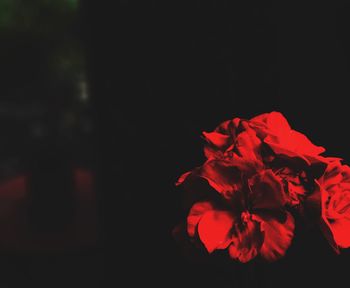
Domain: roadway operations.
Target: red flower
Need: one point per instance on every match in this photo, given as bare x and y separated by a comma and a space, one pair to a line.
333, 203
250, 222
252, 173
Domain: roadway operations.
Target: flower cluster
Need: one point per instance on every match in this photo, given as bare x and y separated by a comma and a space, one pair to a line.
256, 173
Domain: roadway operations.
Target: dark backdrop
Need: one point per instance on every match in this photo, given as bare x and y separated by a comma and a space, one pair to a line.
163, 72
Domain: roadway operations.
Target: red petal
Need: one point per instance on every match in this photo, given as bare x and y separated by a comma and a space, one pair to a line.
212, 153
266, 191
218, 140
222, 176
282, 139
339, 204
346, 173
315, 206
341, 232
262, 118
281, 149
196, 213
303, 145
214, 230
317, 159
243, 255
228, 127
277, 236
182, 178
246, 241
224, 127
337, 232
272, 124
278, 123
333, 175
248, 156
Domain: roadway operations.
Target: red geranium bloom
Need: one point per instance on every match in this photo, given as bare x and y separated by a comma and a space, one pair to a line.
252, 222
254, 170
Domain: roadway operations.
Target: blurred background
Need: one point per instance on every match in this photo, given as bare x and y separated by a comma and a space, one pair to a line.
102, 104
48, 211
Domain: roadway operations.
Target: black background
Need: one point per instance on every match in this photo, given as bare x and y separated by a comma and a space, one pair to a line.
162, 73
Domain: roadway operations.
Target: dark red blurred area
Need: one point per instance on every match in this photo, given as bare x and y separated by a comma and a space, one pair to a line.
43, 249
17, 233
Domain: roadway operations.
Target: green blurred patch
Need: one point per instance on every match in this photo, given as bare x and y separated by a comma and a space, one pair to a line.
30, 15
6, 12
73, 4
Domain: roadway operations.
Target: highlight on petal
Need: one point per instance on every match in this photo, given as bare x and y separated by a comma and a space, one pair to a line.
196, 213
214, 230
277, 235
